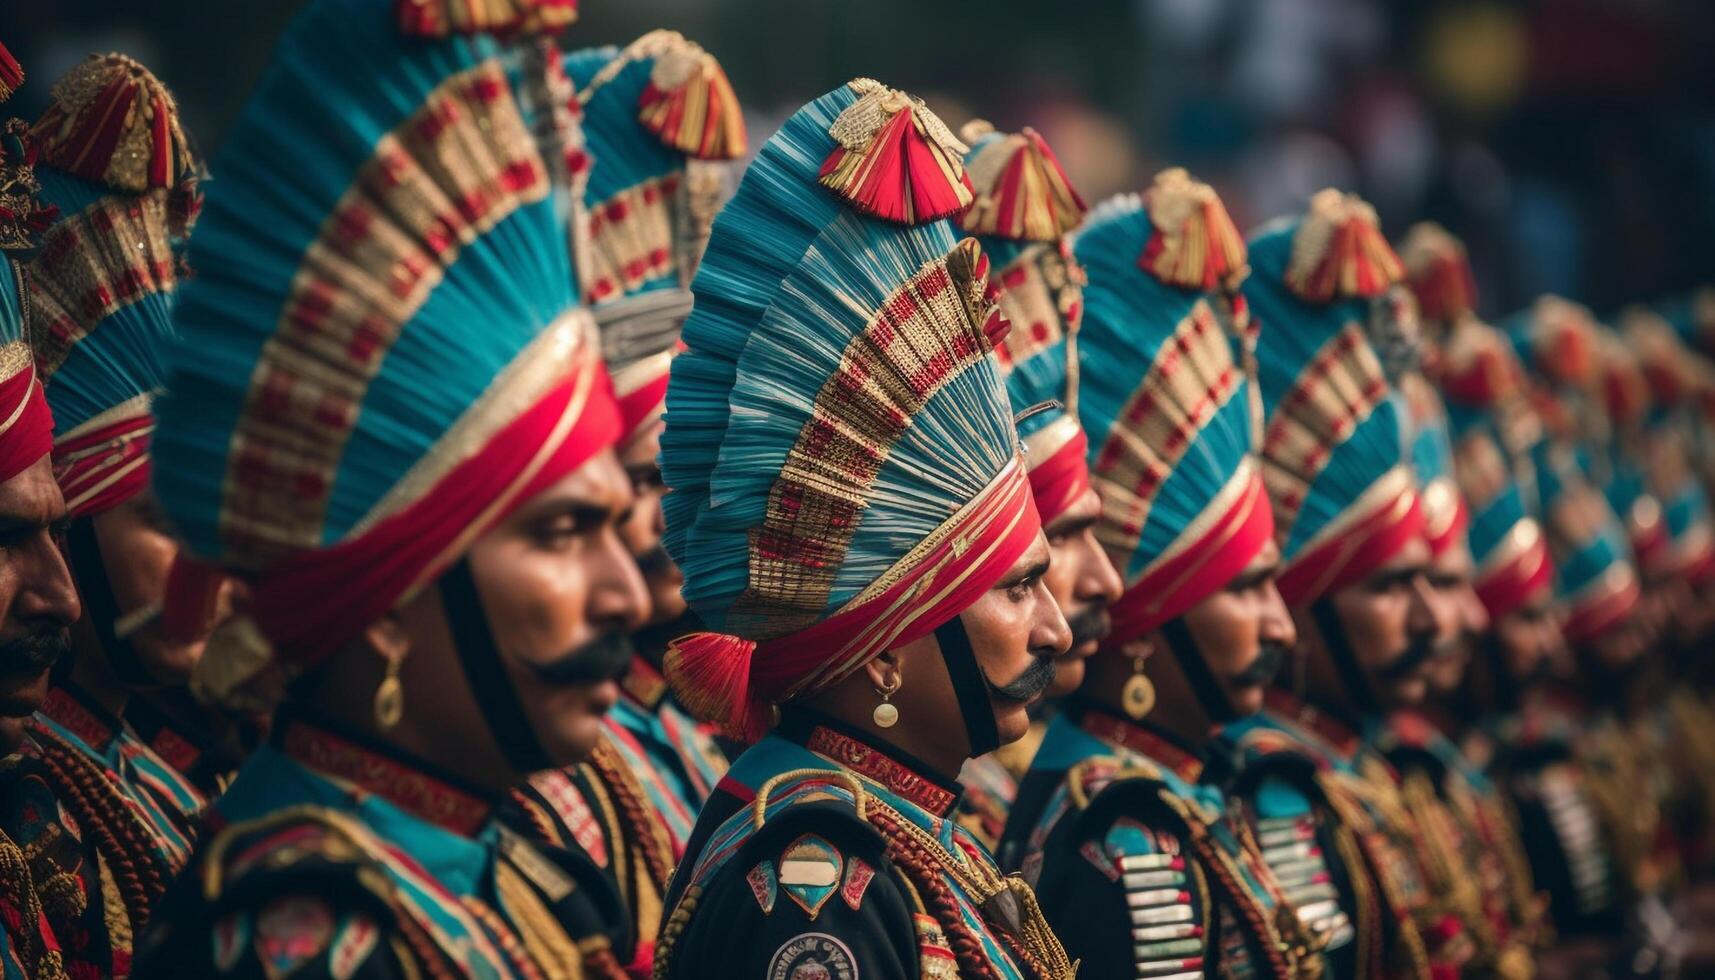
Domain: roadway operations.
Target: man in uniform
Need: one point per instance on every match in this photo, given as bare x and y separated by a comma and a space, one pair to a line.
389, 414
88, 799
1326, 807
1121, 822
659, 122
38, 602
851, 511
1023, 209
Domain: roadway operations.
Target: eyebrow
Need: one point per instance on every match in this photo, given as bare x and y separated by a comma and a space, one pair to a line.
1253, 578
1035, 571
1396, 575
1070, 526
649, 470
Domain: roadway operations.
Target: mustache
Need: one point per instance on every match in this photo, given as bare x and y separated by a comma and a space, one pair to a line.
603, 659
654, 560
1028, 686
1089, 623
32, 654
1265, 667
1419, 652
652, 640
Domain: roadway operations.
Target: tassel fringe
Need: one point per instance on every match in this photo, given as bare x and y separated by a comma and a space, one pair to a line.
1022, 192
113, 122
710, 675
11, 74
1440, 273
1339, 252
1195, 245
896, 160
23, 216
443, 18
1563, 340
689, 103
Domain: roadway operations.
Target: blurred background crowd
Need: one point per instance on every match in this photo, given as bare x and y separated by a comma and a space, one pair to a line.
1570, 143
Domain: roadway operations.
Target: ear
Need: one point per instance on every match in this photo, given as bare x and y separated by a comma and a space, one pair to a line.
387, 637
884, 670
1143, 646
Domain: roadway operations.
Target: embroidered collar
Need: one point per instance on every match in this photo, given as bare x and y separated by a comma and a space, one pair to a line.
436, 797
74, 710
1339, 736
878, 762
643, 684
1157, 744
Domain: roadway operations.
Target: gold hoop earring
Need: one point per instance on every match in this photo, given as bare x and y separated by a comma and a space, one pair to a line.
1138, 695
389, 697
886, 715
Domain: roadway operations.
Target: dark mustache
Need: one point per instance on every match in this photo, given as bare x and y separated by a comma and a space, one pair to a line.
654, 560
1089, 623
1267, 664
603, 659
1028, 686
1416, 654
32, 654
652, 640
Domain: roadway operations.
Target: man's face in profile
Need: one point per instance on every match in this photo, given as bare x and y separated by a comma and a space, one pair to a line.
38, 602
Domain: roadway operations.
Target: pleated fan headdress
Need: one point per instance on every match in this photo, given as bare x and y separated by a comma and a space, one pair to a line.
660, 121
1023, 209
383, 353
844, 469
1166, 400
26, 425
1324, 291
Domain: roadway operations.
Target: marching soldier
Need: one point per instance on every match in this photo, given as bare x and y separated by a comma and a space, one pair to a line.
102, 814
1122, 823
38, 601
1326, 807
659, 122
1023, 210
389, 414
851, 511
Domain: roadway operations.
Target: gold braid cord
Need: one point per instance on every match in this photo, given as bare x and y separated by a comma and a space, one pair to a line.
17, 890
1373, 879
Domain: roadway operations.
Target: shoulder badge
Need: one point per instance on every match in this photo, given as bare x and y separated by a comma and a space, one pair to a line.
858, 876
813, 956
810, 872
290, 931
763, 885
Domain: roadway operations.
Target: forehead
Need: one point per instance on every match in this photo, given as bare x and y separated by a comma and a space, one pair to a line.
1087, 507
1413, 554
32, 496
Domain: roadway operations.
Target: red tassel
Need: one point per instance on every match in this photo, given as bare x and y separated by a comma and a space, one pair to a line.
11, 74
1195, 244
444, 18
113, 122
1339, 252
1440, 273
1563, 341
896, 160
710, 675
192, 600
689, 103
1022, 192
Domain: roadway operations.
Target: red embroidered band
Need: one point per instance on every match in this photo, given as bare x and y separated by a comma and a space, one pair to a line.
26, 425
1445, 522
311, 604
371, 772
734, 682
1353, 551
1062, 477
1522, 573
101, 469
1242, 522
1601, 606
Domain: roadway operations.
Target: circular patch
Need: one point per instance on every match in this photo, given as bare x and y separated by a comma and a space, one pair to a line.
813, 956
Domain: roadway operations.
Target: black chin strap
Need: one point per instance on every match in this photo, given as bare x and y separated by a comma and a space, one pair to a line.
1345, 658
970, 685
486, 674
1196, 670
100, 606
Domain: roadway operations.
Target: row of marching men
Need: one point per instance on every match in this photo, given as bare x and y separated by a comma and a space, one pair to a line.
350, 631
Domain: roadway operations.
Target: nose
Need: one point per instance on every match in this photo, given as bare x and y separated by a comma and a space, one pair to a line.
47, 597
1050, 636
1275, 624
1476, 614
618, 597
1421, 616
1098, 581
